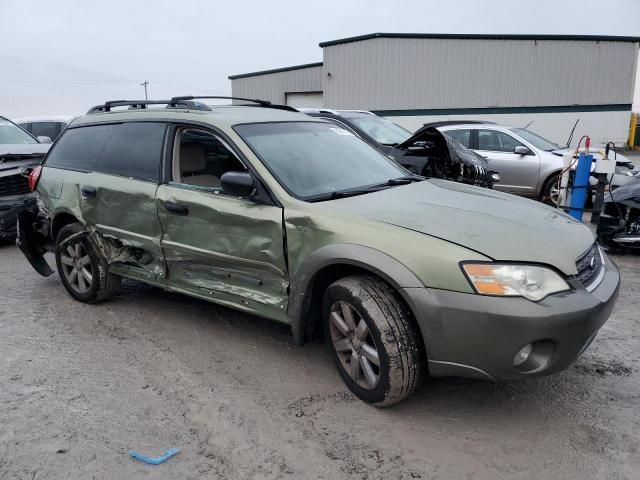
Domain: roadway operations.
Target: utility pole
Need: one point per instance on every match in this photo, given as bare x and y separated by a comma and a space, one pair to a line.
144, 84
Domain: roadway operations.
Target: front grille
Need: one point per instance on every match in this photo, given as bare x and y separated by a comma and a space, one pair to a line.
589, 265
13, 185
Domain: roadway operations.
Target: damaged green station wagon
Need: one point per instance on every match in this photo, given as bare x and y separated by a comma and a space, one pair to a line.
295, 219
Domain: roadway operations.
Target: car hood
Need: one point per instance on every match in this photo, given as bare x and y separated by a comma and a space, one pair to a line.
498, 225
627, 194
28, 149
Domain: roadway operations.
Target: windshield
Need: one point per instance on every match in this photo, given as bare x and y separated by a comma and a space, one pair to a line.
380, 129
11, 134
314, 159
536, 140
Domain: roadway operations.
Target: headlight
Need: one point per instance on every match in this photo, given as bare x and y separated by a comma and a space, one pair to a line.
529, 281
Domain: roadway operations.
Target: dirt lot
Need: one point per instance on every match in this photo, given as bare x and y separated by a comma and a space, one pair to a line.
81, 385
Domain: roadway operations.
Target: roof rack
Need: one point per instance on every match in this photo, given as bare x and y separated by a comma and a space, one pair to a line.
182, 102
142, 105
257, 101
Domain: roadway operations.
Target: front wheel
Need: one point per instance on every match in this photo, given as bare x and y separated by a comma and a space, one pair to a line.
373, 339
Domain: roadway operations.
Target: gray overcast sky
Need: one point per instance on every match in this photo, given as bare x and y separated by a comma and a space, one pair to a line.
60, 57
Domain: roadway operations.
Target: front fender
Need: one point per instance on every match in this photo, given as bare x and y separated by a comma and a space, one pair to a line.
366, 258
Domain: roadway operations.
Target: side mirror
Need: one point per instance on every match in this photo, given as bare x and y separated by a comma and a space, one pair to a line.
521, 150
43, 139
238, 184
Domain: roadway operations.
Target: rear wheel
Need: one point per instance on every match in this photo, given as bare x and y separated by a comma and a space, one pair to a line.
82, 271
373, 340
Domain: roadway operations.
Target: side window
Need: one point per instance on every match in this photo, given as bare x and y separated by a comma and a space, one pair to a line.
495, 141
462, 135
80, 148
45, 129
134, 150
201, 158
26, 126
126, 149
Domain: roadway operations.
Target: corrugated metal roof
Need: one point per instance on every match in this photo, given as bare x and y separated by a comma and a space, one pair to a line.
481, 36
275, 70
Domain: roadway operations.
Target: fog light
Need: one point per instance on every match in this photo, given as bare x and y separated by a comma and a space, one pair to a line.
522, 355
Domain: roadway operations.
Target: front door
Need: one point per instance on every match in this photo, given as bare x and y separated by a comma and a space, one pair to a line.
518, 173
226, 248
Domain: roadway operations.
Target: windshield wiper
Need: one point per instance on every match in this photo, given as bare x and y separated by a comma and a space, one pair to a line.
371, 188
404, 180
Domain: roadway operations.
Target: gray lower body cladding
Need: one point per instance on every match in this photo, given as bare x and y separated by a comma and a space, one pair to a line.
476, 336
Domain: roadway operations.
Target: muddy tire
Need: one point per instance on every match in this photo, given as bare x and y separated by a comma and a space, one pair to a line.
81, 268
373, 340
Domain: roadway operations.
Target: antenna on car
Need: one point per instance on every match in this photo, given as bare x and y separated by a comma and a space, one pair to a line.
571, 134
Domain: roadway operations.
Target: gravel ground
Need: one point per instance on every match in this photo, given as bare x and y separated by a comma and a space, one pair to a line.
148, 370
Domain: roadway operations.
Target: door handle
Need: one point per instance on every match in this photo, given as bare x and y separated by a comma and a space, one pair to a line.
176, 208
88, 191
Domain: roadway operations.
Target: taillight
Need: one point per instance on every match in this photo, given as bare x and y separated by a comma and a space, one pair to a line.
34, 176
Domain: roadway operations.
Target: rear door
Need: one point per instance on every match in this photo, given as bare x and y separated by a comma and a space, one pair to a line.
115, 171
518, 173
226, 248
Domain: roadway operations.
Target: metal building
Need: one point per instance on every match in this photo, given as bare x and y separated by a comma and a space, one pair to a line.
550, 80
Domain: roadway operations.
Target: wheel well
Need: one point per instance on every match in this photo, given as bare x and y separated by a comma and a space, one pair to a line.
325, 277
61, 220
546, 182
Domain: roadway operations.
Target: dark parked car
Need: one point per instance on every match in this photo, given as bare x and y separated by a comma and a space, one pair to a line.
19, 151
427, 152
50, 127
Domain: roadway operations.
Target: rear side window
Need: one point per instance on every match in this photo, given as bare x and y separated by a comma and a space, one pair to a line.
126, 149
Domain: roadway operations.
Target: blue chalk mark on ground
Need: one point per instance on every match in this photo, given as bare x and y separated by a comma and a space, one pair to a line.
154, 460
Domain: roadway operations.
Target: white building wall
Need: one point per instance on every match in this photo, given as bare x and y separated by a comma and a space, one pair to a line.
275, 86
414, 73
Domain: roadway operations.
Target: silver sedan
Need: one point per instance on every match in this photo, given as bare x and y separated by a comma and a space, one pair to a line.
528, 164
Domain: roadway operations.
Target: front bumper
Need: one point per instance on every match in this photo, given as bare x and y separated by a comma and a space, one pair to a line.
477, 336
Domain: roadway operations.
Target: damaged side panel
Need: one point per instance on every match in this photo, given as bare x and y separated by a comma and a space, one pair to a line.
119, 217
226, 248
120, 213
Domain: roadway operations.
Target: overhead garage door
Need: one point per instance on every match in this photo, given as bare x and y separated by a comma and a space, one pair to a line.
305, 99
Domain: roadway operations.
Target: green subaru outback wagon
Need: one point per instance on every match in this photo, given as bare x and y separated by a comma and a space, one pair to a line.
296, 220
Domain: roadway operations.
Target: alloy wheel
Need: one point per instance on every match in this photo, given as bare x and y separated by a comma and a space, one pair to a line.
354, 345
554, 194
76, 267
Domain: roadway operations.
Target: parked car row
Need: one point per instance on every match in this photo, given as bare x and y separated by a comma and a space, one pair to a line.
19, 150
427, 152
299, 220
